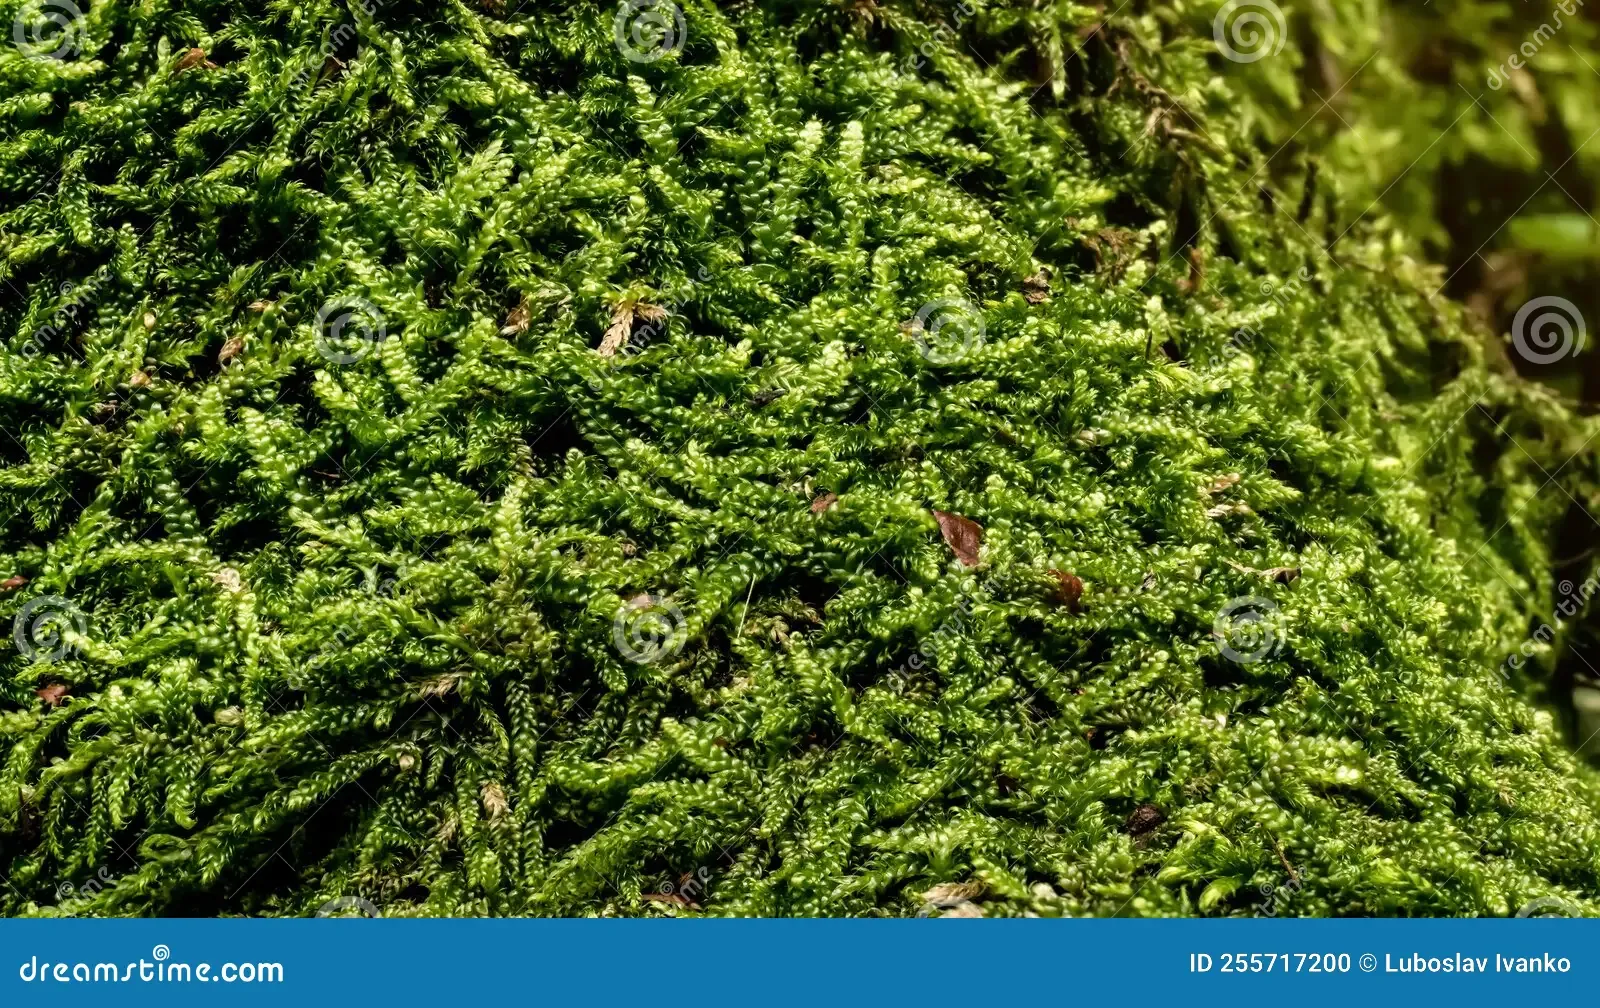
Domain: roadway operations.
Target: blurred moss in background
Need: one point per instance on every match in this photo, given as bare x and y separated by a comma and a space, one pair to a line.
1474, 128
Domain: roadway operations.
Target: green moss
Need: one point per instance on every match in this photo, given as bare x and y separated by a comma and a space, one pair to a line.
451, 611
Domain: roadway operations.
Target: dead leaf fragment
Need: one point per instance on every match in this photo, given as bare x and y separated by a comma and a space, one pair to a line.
138, 379
494, 800
447, 829
1144, 819
438, 686
963, 911
1114, 248
230, 349
1222, 510
1197, 271
949, 894
1036, 289
228, 578
866, 11
53, 694
824, 502
963, 535
149, 320
518, 321
13, 582
615, 338
1222, 483
1282, 575
259, 306
192, 59
1069, 590
624, 316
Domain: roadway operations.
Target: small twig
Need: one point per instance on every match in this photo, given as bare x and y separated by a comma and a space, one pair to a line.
1283, 860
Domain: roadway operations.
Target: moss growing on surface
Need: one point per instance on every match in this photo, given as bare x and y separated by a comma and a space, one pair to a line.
483, 460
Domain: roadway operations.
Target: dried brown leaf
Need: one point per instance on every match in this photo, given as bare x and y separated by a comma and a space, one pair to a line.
439, 686
191, 59
1197, 271
949, 894
494, 800
53, 694
520, 318
1144, 819
1222, 483
866, 10
447, 828
230, 349
627, 312
1036, 289
1222, 510
1069, 589
967, 911
616, 337
824, 502
13, 582
963, 535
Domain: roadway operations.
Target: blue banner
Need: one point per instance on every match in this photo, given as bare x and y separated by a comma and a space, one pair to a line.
810, 963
